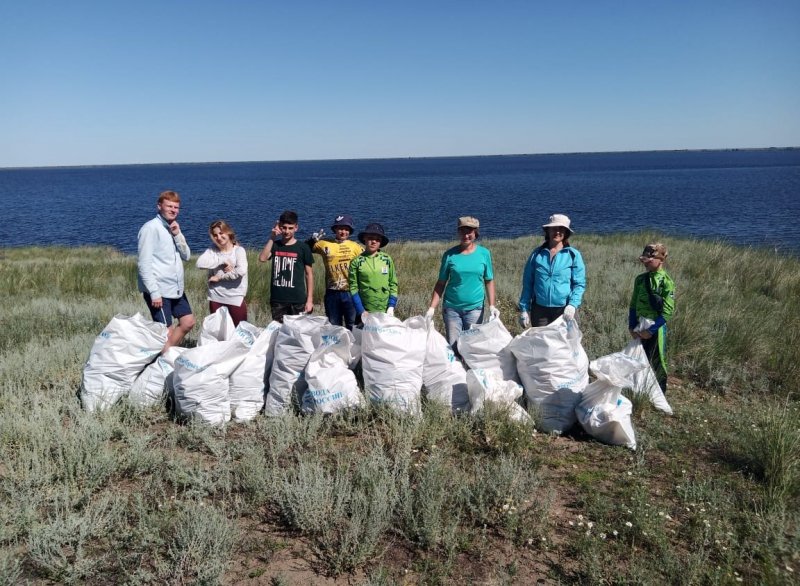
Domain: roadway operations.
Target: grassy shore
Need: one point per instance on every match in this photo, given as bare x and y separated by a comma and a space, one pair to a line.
128, 496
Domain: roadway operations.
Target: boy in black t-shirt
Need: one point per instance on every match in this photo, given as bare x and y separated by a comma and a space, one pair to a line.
292, 283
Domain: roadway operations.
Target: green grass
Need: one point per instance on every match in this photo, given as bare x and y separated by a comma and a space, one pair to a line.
710, 496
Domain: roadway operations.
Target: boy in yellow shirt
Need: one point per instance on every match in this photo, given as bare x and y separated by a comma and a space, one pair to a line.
336, 253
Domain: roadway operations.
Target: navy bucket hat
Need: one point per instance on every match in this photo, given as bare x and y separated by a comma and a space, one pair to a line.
344, 221
375, 229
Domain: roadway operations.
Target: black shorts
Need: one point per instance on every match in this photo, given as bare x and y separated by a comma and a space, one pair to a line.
170, 308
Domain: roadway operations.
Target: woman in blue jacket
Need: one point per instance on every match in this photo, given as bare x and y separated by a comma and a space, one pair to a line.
554, 277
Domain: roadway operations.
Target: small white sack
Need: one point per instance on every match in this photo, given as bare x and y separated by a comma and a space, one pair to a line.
603, 411
443, 375
201, 380
554, 369
645, 380
148, 388
217, 327
332, 386
488, 385
486, 346
294, 343
393, 353
247, 381
121, 351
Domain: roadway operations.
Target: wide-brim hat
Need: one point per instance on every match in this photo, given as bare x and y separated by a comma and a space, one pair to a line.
344, 221
376, 230
558, 220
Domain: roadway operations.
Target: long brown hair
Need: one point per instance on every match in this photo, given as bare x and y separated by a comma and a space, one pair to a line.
224, 228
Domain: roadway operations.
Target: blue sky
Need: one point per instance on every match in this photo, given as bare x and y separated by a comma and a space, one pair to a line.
143, 82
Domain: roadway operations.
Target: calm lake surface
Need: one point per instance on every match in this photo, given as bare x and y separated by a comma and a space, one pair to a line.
747, 197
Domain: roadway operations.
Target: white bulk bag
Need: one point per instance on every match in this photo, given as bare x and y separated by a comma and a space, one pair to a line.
332, 386
645, 380
272, 333
217, 327
247, 381
392, 354
443, 375
486, 346
603, 411
148, 388
201, 382
121, 351
294, 343
488, 386
553, 368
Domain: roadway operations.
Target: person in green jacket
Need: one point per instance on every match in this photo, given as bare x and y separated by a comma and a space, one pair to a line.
654, 299
373, 280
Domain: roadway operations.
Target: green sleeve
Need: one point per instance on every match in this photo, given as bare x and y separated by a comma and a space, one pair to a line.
353, 276
392, 279
667, 292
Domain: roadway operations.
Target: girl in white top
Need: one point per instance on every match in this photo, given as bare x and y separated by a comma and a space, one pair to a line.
226, 263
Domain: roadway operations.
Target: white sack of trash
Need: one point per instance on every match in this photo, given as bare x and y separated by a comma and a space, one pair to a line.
148, 388
488, 386
393, 353
645, 380
604, 412
486, 346
332, 386
553, 368
247, 382
119, 353
443, 375
216, 327
295, 342
201, 380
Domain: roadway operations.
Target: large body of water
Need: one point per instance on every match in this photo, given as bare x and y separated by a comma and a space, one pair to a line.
748, 197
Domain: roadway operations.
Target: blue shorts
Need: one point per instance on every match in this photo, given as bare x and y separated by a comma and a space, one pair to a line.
170, 308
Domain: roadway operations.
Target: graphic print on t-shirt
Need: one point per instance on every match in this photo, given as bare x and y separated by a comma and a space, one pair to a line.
283, 269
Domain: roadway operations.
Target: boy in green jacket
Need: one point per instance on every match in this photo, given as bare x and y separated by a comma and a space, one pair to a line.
373, 281
653, 298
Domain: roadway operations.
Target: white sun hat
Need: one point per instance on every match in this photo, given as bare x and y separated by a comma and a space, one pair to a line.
558, 220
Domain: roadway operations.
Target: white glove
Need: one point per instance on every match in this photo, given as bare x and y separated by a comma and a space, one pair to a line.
569, 312
494, 313
317, 235
524, 319
390, 312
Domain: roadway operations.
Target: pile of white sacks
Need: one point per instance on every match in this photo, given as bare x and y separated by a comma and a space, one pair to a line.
307, 364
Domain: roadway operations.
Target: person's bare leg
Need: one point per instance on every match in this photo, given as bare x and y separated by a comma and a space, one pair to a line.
179, 330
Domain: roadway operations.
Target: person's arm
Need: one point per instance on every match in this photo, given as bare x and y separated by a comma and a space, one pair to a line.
240, 268
266, 252
209, 260
441, 283
438, 291
392, 284
181, 244
490, 293
528, 275
578, 281
633, 319
666, 291
353, 282
146, 252
309, 289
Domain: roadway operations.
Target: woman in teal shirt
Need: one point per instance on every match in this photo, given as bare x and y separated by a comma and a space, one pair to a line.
466, 279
